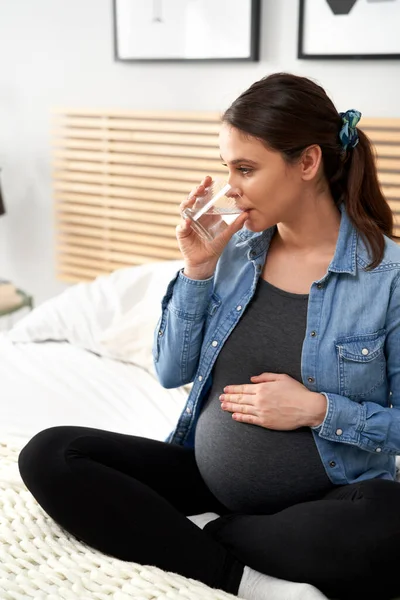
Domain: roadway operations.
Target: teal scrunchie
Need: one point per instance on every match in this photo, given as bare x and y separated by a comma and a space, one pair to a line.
348, 134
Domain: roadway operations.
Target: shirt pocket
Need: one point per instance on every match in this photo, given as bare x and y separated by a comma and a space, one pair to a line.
362, 364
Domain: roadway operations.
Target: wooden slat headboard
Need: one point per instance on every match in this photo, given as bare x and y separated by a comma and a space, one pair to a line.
119, 177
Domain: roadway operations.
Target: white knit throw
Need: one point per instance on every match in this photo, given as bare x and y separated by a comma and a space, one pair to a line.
40, 560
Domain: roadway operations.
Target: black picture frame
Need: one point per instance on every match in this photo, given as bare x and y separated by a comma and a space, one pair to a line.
356, 56
254, 46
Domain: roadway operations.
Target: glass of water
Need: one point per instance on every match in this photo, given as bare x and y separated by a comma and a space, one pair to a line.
212, 212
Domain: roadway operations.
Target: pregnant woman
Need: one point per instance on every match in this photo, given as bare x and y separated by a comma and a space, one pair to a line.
288, 324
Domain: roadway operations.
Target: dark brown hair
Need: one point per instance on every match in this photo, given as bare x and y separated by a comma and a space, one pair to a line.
289, 113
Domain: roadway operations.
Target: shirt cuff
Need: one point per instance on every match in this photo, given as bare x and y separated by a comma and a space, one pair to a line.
343, 421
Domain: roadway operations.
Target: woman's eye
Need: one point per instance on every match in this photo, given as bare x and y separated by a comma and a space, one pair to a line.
242, 170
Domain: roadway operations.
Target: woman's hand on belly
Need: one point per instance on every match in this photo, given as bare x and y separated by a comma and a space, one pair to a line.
274, 401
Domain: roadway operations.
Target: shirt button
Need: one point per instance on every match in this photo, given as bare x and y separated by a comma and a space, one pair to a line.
160, 332
259, 267
310, 379
339, 431
332, 463
200, 378
313, 333
365, 351
252, 254
319, 285
239, 307
189, 412
378, 449
214, 343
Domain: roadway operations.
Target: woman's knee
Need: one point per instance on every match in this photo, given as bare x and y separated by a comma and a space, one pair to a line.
43, 453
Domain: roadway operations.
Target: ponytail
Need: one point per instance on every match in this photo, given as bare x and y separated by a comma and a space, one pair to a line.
365, 203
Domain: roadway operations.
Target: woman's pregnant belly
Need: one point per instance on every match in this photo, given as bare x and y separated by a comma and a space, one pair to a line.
254, 470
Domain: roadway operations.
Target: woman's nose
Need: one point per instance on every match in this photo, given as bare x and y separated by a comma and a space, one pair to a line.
235, 189
234, 192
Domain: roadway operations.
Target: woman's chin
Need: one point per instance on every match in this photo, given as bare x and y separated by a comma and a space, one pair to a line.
248, 224
252, 225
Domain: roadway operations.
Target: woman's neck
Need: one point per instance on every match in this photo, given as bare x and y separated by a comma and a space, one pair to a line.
315, 227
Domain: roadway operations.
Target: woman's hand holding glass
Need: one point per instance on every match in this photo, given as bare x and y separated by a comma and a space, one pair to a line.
201, 256
274, 401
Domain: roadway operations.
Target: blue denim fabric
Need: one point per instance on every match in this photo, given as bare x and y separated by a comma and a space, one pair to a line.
351, 350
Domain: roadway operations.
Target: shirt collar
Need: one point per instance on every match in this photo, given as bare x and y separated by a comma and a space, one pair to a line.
344, 259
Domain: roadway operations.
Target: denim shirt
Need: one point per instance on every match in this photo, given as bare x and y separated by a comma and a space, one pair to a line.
351, 349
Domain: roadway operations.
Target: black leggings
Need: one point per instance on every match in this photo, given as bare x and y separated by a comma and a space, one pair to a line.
128, 496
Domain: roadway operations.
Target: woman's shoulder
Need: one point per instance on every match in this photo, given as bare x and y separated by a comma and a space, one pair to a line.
392, 249
390, 260
391, 255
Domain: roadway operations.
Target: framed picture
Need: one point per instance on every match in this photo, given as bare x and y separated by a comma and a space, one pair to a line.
351, 29
181, 30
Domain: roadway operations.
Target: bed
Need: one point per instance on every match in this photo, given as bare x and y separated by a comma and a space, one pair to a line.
84, 358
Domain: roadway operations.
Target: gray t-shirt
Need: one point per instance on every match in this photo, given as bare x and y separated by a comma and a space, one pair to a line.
249, 468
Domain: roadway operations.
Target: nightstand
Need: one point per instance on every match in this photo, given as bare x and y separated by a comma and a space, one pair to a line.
26, 302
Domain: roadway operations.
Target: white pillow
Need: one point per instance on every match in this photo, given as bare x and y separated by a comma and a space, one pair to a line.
114, 316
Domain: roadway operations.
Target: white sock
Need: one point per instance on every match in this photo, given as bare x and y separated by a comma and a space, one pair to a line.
202, 520
256, 586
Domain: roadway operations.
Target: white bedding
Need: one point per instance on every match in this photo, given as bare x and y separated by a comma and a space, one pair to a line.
84, 358
55, 383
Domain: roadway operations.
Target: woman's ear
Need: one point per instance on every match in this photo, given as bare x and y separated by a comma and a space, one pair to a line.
310, 162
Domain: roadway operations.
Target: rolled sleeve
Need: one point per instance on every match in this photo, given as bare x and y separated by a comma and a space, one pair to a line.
179, 333
191, 296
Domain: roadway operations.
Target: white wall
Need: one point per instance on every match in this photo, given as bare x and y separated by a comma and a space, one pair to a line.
60, 53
